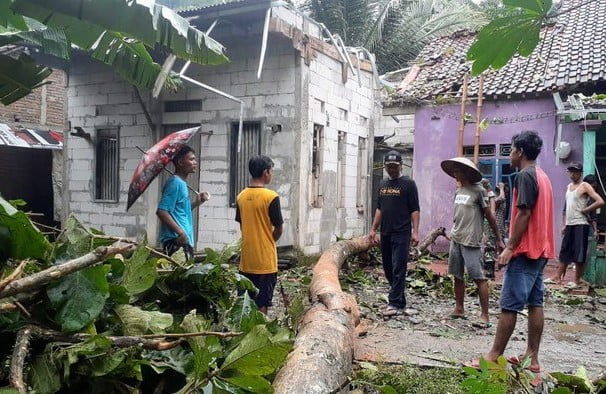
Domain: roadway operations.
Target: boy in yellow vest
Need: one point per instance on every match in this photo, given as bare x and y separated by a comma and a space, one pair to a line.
260, 218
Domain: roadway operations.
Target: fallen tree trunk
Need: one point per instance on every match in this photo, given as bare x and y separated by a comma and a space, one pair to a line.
322, 357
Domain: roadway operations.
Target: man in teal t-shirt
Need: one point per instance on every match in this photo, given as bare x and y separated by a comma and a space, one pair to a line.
175, 208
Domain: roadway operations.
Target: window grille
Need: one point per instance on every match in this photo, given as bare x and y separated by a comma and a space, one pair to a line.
182, 105
317, 158
249, 147
107, 185
485, 150
505, 149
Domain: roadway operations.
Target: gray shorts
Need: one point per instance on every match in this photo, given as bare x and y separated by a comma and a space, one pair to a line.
460, 257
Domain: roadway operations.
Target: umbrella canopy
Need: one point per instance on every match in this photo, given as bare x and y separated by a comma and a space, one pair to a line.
154, 161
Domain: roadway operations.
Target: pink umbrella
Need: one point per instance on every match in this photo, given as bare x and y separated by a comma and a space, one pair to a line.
155, 160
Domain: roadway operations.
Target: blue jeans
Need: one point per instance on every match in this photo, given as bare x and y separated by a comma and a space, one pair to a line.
394, 248
523, 283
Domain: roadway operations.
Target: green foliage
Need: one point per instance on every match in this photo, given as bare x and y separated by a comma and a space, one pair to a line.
129, 296
407, 379
490, 378
577, 383
243, 315
79, 298
395, 31
515, 32
105, 31
136, 321
139, 271
19, 238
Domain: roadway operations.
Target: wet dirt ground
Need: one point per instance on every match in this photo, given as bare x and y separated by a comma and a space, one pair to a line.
574, 334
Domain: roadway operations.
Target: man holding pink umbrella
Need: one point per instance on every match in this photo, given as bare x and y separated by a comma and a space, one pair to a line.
175, 208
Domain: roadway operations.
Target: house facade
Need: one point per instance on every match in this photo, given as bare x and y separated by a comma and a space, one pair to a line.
310, 111
518, 97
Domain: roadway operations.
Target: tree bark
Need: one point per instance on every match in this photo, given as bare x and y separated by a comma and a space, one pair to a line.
431, 239
41, 278
20, 352
321, 359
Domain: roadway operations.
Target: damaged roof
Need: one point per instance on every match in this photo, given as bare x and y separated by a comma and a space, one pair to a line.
29, 138
572, 52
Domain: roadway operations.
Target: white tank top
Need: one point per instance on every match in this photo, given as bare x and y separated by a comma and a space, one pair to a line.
574, 205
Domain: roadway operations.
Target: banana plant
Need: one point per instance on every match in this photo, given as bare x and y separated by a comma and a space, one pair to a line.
119, 33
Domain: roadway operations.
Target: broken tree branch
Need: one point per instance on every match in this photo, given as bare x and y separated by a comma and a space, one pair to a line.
18, 360
58, 271
16, 274
194, 334
133, 242
31, 332
322, 356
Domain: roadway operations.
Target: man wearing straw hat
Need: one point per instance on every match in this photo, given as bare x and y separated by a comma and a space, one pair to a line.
471, 207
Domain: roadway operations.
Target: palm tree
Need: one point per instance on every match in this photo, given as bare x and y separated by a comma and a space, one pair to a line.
395, 30
102, 29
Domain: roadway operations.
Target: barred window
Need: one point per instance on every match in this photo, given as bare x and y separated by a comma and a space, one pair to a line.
250, 146
107, 183
485, 150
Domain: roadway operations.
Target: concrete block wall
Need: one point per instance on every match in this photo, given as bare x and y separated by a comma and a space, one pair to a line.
270, 100
347, 107
404, 129
99, 98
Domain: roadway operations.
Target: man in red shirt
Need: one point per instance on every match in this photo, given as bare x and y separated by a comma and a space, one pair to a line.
531, 244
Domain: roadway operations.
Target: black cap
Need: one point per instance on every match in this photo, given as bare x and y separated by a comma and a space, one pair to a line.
393, 157
575, 166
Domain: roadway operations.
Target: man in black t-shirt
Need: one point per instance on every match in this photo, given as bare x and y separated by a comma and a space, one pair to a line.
397, 210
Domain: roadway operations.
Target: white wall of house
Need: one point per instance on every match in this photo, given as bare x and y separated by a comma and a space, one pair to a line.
98, 98
402, 129
342, 194
289, 93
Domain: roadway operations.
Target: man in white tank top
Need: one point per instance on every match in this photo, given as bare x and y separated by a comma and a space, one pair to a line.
575, 225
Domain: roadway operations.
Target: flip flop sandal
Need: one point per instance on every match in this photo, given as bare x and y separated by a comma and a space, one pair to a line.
572, 286
517, 361
482, 324
550, 281
392, 311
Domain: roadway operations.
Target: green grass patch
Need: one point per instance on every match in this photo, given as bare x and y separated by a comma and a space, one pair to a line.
407, 379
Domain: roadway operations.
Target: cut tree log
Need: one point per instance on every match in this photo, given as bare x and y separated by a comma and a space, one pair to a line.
322, 357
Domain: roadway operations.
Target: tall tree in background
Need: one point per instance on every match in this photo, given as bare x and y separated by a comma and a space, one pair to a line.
395, 30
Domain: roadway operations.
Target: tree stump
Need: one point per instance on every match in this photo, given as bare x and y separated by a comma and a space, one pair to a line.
321, 360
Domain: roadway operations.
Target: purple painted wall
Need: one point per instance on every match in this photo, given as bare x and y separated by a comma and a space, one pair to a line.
436, 137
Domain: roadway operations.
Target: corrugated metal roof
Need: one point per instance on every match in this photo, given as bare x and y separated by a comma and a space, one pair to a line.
573, 52
216, 4
30, 138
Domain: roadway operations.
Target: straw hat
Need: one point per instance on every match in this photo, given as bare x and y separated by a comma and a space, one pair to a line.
465, 165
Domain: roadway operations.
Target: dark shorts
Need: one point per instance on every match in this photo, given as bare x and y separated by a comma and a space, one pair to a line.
170, 247
265, 283
523, 284
574, 244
